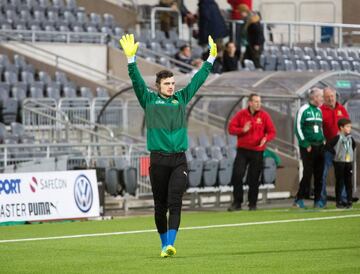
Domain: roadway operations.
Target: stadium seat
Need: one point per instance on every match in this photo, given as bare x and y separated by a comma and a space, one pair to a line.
18, 132
312, 65
289, 65
309, 52
210, 166
27, 77
225, 166
4, 91
53, 91
195, 168
102, 92
112, 182
108, 20
346, 65
269, 171
335, 66
300, 65
270, 62
4, 134
9, 111
324, 65
86, 92
19, 93
36, 92
69, 92
249, 65
356, 66
10, 77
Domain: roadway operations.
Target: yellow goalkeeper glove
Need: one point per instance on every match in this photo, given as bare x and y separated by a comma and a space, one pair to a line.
212, 46
128, 44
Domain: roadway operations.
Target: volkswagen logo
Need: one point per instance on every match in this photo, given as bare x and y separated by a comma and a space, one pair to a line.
83, 193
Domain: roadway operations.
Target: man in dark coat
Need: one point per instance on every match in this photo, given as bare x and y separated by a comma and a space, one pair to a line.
211, 22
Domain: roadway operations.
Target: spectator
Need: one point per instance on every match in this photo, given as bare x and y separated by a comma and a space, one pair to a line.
218, 63
187, 17
211, 22
253, 128
332, 111
236, 15
167, 19
309, 132
166, 138
342, 147
184, 55
230, 57
252, 36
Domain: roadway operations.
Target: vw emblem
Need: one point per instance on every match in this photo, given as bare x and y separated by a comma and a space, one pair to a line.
83, 193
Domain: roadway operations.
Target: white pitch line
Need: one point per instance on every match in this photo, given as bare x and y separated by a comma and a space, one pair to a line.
183, 228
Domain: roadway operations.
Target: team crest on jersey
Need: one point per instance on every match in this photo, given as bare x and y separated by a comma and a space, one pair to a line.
339, 113
175, 102
258, 120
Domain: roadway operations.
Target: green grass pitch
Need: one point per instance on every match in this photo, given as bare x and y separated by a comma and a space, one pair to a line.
314, 246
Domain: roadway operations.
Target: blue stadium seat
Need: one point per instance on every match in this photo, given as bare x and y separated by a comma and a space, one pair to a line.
195, 168
249, 65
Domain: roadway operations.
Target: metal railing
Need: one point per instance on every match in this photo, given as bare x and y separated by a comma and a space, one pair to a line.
162, 9
292, 31
12, 154
52, 124
57, 36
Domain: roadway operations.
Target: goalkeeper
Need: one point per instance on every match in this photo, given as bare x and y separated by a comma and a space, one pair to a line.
166, 138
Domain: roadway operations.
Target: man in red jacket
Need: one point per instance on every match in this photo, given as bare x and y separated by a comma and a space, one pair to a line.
332, 111
253, 128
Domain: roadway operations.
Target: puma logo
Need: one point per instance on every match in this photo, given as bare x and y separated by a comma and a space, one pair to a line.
185, 173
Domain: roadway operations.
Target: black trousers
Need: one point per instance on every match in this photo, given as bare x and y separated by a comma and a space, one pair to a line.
254, 55
343, 175
253, 161
168, 176
313, 163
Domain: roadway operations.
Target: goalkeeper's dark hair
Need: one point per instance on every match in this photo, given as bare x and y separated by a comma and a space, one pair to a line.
163, 75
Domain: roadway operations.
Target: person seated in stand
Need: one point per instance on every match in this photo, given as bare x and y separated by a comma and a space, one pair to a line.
230, 57
184, 55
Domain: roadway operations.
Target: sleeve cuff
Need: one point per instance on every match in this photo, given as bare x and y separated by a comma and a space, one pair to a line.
131, 59
211, 59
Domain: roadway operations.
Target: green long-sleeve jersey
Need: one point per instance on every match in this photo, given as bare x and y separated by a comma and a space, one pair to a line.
308, 126
166, 117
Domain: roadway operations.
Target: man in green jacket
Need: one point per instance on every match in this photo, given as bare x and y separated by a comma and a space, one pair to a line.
309, 132
165, 115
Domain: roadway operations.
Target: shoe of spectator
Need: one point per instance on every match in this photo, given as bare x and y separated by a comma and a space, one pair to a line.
170, 250
340, 205
252, 207
234, 207
319, 204
355, 199
299, 203
349, 205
